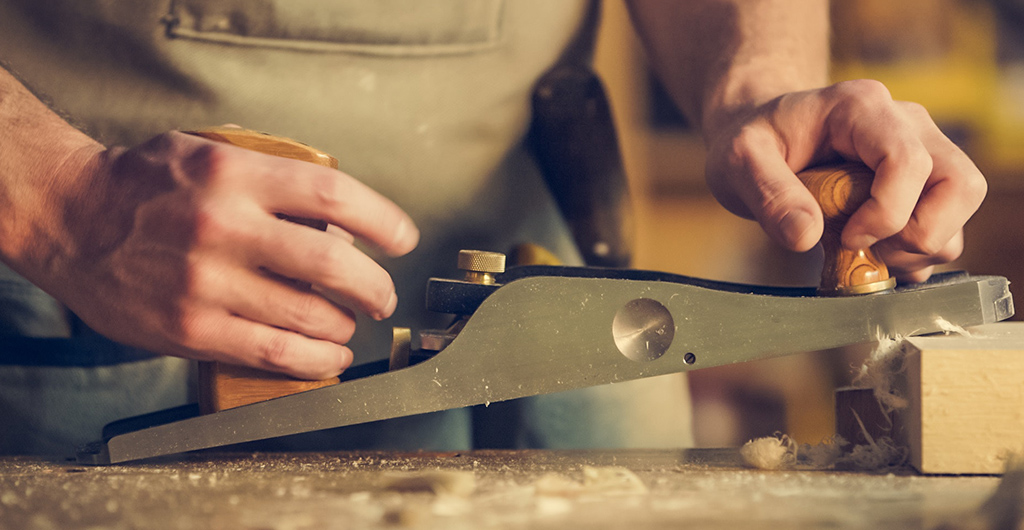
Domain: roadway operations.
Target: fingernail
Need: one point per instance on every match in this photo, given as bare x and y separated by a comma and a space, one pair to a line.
407, 236
346, 359
389, 308
794, 225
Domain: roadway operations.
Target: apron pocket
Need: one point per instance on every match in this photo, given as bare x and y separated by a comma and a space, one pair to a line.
380, 27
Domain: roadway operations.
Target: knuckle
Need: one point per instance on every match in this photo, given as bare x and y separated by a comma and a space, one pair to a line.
328, 190
869, 90
889, 221
776, 205
202, 278
190, 328
910, 153
208, 163
930, 249
975, 188
951, 251
213, 227
330, 262
771, 204
928, 244
916, 110
278, 351
304, 314
744, 147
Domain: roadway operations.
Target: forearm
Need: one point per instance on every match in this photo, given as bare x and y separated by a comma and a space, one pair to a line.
718, 58
40, 154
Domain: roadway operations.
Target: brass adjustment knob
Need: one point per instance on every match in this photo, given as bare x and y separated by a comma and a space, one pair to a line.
481, 266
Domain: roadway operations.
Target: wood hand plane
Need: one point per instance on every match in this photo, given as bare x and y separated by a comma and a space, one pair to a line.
537, 329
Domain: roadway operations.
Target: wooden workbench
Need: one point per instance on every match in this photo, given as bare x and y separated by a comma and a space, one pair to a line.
493, 489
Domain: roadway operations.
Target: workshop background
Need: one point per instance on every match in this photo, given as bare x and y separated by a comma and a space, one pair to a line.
962, 59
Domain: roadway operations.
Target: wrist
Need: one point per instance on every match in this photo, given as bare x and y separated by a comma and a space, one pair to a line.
40, 188
744, 90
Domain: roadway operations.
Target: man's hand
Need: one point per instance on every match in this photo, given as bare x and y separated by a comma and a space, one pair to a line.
750, 72
168, 245
925, 188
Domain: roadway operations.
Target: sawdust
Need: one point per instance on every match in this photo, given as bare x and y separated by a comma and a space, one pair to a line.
770, 452
876, 454
693, 488
824, 454
782, 452
440, 482
612, 480
880, 372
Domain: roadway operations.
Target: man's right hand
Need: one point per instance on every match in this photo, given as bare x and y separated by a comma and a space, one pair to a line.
167, 245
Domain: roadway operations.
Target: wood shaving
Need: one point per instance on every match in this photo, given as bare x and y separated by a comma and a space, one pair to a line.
824, 454
770, 452
885, 363
782, 452
879, 372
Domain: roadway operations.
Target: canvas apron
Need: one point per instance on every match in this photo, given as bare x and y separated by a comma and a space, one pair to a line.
426, 102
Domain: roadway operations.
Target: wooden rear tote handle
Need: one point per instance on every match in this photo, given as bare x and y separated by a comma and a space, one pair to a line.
840, 190
225, 386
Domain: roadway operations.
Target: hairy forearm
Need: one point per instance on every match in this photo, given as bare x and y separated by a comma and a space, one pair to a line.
39, 156
718, 58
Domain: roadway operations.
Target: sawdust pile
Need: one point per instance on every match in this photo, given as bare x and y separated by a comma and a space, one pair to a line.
782, 452
770, 452
880, 372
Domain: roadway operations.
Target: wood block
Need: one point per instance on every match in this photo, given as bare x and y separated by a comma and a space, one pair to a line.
966, 395
966, 402
226, 386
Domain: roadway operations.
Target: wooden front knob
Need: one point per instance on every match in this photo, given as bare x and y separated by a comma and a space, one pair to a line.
225, 386
840, 190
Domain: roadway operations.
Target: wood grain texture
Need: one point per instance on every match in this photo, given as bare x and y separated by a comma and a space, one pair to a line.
686, 488
226, 386
840, 190
965, 412
223, 386
966, 394
267, 143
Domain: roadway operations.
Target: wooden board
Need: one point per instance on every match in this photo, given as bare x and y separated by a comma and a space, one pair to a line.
387, 490
966, 394
966, 402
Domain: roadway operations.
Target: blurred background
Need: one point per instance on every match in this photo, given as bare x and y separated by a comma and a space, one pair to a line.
962, 59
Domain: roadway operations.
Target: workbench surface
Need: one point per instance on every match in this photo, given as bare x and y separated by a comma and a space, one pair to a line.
480, 489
